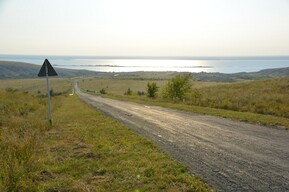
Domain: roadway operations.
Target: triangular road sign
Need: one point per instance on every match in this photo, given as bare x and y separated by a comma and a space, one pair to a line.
50, 70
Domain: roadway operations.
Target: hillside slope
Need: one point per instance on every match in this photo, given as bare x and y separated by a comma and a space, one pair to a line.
280, 72
224, 77
12, 70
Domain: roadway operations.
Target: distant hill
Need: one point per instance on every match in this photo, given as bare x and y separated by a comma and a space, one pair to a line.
279, 72
12, 70
202, 76
224, 77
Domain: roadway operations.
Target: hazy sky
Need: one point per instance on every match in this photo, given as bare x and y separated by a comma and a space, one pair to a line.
145, 27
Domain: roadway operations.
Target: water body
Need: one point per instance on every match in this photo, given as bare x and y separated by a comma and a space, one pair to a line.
180, 64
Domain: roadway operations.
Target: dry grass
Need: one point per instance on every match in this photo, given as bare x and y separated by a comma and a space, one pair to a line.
119, 86
22, 122
36, 86
269, 97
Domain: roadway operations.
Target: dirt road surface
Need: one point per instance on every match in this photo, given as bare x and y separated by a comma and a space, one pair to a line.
229, 155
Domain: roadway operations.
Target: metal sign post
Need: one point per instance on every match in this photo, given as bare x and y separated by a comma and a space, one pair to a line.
48, 96
45, 71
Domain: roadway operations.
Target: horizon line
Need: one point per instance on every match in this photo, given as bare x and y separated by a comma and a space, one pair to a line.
156, 57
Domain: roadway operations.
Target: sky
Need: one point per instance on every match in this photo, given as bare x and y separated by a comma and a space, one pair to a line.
145, 27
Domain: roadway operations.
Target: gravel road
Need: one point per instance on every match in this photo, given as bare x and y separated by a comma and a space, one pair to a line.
229, 155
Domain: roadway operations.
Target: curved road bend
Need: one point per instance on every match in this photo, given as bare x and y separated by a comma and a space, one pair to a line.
229, 155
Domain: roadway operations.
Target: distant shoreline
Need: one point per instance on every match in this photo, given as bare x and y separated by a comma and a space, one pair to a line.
17, 70
179, 64
269, 57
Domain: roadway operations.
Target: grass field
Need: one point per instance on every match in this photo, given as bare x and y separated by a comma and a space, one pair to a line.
263, 102
37, 86
117, 87
270, 97
83, 151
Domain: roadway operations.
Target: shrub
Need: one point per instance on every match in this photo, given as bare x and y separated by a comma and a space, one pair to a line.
128, 92
102, 91
140, 93
51, 92
177, 87
152, 90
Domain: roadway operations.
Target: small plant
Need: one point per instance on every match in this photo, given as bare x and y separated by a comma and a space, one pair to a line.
102, 91
140, 93
10, 90
90, 91
51, 92
152, 90
128, 92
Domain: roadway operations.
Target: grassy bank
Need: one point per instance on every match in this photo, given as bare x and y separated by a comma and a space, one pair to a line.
84, 151
262, 102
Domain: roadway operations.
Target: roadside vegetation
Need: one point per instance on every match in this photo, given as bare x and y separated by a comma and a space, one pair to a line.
117, 87
22, 124
177, 88
37, 86
269, 97
263, 102
84, 150
152, 89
